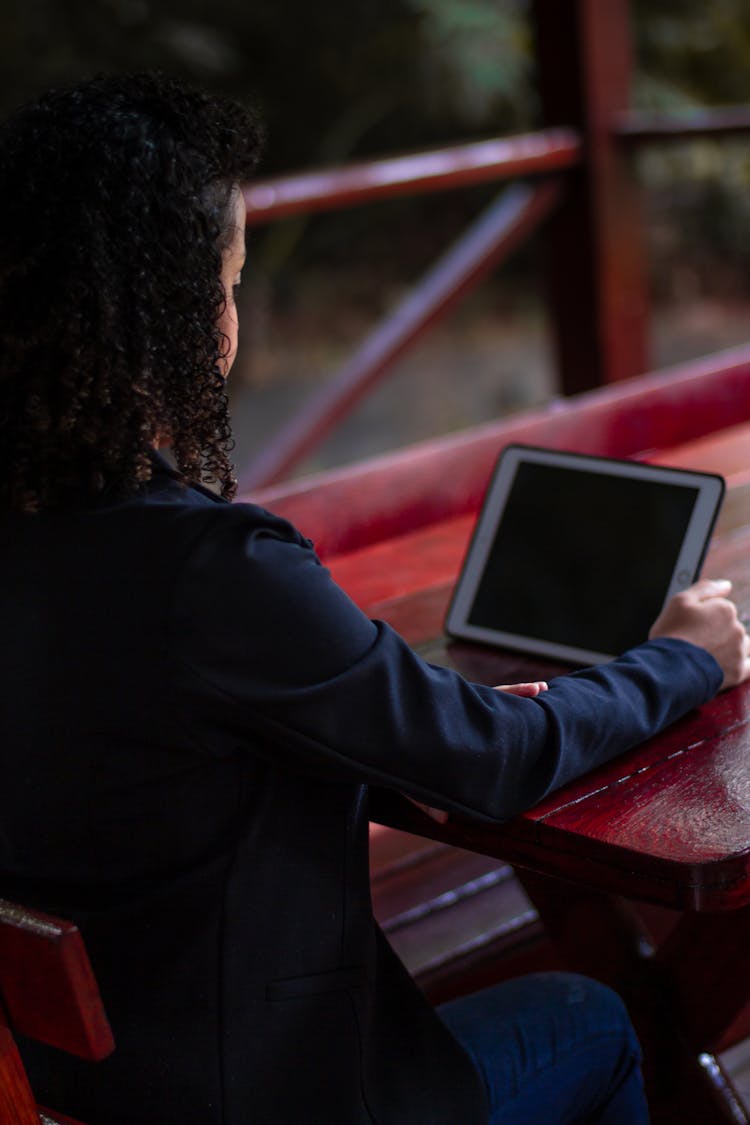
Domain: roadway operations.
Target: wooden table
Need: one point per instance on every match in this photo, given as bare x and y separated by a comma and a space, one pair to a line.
641, 869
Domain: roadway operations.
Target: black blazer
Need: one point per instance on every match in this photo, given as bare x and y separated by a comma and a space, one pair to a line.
191, 714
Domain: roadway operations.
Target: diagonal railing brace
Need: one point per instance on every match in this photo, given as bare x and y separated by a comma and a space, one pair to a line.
491, 238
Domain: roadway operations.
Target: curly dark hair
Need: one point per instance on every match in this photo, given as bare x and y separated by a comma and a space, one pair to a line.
115, 202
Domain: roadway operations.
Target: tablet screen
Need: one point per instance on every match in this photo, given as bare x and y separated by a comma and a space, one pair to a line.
579, 554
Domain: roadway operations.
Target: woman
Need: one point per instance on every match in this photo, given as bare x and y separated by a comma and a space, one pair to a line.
192, 711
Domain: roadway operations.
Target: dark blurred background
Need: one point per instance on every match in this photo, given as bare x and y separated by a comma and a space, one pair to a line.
345, 79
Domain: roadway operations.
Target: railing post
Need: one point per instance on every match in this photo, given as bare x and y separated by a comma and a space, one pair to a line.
596, 268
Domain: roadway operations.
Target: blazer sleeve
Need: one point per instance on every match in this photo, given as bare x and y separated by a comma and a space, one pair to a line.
275, 658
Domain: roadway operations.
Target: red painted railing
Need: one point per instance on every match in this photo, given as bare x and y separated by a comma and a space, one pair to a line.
597, 279
726, 121
460, 166
488, 241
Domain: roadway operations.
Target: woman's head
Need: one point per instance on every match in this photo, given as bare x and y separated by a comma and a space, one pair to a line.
118, 234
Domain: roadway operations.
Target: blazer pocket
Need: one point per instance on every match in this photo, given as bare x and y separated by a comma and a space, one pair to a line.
337, 980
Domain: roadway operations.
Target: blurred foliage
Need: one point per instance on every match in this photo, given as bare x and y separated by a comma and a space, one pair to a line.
329, 79
347, 78
320, 74
478, 55
693, 54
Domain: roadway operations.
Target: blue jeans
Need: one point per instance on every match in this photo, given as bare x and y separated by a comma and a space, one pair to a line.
553, 1049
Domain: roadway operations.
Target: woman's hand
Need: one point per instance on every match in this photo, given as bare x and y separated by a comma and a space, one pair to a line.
528, 691
703, 615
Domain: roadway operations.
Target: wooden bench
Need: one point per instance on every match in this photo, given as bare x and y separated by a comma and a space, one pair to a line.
47, 992
393, 532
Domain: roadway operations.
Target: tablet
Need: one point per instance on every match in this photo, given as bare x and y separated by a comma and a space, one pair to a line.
573, 556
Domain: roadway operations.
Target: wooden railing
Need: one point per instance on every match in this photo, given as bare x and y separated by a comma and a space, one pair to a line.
584, 190
371, 180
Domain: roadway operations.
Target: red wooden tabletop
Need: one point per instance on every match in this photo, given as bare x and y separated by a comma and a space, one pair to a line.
668, 822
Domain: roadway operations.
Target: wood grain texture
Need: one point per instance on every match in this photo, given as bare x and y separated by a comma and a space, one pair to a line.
47, 985
666, 824
670, 821
397, 568
17, 1106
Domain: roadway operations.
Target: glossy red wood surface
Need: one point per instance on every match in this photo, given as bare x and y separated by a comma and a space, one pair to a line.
670, 821
47, 985
407, 580
667, 823
17, 1106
